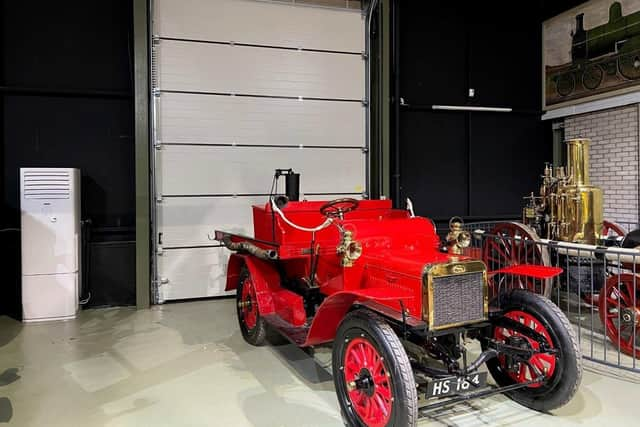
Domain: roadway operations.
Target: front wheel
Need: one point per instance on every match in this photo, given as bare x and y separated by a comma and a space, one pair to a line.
562, 371
372, 374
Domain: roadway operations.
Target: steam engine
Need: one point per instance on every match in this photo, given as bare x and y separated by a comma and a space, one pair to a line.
568, 207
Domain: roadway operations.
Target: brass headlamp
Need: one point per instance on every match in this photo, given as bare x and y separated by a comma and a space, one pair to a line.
457, 238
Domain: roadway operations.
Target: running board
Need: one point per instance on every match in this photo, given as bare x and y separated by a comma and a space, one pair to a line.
296, 334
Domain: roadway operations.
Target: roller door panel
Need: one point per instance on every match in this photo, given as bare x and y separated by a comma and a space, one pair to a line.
212, 119
187, 221
244, 87
248, 170
252, 22
215, 68
192, 273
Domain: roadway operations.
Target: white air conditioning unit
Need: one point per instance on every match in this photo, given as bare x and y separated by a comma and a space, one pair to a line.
50, 217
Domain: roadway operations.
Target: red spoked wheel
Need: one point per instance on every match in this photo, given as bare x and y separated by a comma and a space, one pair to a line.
557, 367
620, 312
513, 243
252, 325
612, 229
520, 372
372, 374
249, 304
368, 383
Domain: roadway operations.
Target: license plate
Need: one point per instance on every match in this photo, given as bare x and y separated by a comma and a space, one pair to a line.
456, 385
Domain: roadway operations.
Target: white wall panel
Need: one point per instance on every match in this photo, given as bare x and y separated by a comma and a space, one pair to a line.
189, 170
213, 119
193, 273
204, 137
262, 23
206, 67
187, 221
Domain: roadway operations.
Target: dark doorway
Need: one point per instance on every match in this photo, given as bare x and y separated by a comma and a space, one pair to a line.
66, 82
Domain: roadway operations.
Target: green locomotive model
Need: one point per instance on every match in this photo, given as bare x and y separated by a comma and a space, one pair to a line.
605, 56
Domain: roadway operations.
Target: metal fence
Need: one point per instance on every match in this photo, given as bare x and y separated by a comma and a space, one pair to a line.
598, 289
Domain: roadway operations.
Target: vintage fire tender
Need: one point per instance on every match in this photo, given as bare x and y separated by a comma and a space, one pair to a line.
569, 209
398, 309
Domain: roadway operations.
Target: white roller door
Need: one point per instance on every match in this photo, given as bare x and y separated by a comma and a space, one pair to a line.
243, 87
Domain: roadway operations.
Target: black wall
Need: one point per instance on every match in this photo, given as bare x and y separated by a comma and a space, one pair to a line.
473, 164
66, 101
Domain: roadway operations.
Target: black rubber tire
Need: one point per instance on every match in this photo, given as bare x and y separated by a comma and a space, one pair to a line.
258, 334
368, 325
558, 390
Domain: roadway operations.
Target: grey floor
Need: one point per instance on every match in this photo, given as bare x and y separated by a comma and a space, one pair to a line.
187, 365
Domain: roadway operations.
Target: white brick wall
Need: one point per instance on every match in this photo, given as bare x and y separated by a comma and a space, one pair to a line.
614, 157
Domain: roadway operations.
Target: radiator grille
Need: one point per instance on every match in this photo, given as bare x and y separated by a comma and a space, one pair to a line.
46, 185
458, 299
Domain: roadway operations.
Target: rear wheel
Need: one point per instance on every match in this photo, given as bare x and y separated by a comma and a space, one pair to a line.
252, 325
562, 371
372, 374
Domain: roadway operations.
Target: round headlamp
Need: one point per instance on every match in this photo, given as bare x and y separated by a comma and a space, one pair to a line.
464, 239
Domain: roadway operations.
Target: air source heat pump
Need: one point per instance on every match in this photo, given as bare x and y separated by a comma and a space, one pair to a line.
50, 217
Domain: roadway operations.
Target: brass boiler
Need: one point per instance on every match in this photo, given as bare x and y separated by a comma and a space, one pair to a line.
578, 206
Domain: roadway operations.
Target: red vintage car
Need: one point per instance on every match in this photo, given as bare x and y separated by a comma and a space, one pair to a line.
398, 308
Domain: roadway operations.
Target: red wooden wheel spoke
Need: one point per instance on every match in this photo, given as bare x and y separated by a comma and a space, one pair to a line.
382, 404
385, 392
250, 308
372, 403
544, 362
499, 250
352, 367
510, 244
615, 303
380, 379
620, 291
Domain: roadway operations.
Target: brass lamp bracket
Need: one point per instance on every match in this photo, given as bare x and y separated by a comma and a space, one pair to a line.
350, 250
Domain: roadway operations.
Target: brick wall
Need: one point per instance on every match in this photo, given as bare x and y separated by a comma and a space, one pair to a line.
614, 157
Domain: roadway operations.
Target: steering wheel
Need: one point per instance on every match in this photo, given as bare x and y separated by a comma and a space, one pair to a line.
338, 207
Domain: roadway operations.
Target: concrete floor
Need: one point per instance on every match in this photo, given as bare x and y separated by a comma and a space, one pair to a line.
187, 365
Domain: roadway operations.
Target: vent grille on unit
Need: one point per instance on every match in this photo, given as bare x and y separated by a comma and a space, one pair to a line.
47, 185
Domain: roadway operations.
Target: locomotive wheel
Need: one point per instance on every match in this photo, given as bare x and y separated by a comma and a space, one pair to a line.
513, 243
629, 66
252, 325
612, 229
620, 312
592, 77
565, 84
562, 371
372, 374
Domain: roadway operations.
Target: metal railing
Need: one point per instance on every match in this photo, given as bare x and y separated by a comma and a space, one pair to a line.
598, 289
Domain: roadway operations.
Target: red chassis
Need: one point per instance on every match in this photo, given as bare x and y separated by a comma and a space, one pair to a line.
375, 280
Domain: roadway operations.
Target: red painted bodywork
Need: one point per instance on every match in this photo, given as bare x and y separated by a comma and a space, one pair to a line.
395, 251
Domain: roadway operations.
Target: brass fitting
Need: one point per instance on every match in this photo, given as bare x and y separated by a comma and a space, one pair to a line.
457, 238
